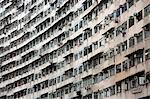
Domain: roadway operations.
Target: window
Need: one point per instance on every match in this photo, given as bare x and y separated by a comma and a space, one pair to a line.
80, 69
112, 70
118, 49
147, 30
100, 76
139, 56
101, 94
88, 96
139, 15
147, 54
105, 56
90, 49
118, 68
85, 66
100, 44
124, 26
111, 33
130, 3
111, 53
125, 65
118, 87
90, 16
134, 82
105, 74
131, 21
95, 95
139, 37
95, 45
112, 90
95, 78
76, 56
95, 61
76, 13
80, 54
95, 13
89, 33
95, 29
85, 6
81, 24
85, 36
124, 7
147, 10
75, 71
87, 81
124, 45
118, 30
85, 51
106, 92
89, 2
131, 42
118, 12
131, 60
76, 28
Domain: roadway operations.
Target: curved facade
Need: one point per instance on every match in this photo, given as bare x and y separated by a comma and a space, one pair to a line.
74, 49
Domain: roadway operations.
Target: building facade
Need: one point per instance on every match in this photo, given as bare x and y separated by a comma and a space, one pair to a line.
74, 49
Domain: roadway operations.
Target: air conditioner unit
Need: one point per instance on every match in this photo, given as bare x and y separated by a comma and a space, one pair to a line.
141, 80
78, 93
81, 41
50, 3
60, 43
88, 87
70, 29
136, 35
146, 53
121, 6
135, 14
69, 24
116, 20
103, 26
123, 33
96, 18
125, 86
131, 17
60, 28
40, 54
58, 6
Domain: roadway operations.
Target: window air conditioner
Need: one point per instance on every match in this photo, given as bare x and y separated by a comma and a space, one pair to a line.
146, 53
136, 35
60, 43
70, 29
60, 28
69, 24
116, 20
141, 80
135, 14
88, 88
121, 6
96, 18
58, 6
40, 54
103, 26
125, 86
78, 92
131, 17
122, 31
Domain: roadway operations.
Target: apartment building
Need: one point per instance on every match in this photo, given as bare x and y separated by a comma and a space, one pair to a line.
74, 49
